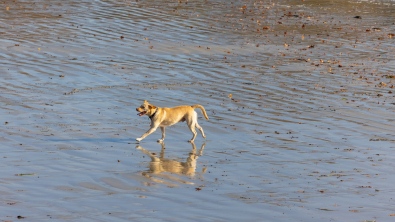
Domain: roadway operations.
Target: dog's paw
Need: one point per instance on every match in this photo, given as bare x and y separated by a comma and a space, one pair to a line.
190, 141
160, 141
138, 139
204, 136
139, 147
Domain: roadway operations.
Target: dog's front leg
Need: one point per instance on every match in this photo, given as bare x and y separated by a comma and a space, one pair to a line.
147, 133
162, 128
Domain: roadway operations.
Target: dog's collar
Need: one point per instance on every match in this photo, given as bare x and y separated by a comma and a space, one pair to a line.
153, 114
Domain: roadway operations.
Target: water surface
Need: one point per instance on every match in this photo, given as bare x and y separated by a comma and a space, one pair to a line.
306, 135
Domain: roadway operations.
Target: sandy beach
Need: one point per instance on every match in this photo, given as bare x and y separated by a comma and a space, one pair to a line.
300, 96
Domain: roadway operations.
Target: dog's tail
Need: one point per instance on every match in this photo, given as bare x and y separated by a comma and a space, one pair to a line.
202, 109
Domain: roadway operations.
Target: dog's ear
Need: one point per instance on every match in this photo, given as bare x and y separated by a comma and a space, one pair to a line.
151, 107
145, 101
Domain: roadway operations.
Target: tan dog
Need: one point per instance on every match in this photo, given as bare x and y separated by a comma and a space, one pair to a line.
162, 117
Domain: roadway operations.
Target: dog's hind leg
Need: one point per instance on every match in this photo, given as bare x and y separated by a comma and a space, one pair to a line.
201, 130
191, 124
192, 128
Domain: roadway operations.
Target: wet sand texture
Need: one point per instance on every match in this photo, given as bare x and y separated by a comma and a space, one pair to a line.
299, 95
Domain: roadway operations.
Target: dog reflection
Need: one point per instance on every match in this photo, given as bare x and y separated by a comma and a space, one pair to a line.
159, 164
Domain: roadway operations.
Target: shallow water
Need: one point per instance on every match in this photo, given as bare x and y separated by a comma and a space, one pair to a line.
306, 135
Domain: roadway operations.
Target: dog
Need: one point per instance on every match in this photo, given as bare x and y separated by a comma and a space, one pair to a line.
162, 117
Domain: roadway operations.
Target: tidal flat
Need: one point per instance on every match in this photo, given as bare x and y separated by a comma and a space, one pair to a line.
299, 93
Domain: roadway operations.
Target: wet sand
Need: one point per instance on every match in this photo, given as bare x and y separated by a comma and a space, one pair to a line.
306, 135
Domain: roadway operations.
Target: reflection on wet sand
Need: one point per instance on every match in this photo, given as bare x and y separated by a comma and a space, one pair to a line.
160, 166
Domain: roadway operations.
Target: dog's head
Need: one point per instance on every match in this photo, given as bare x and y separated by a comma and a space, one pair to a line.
146, 109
